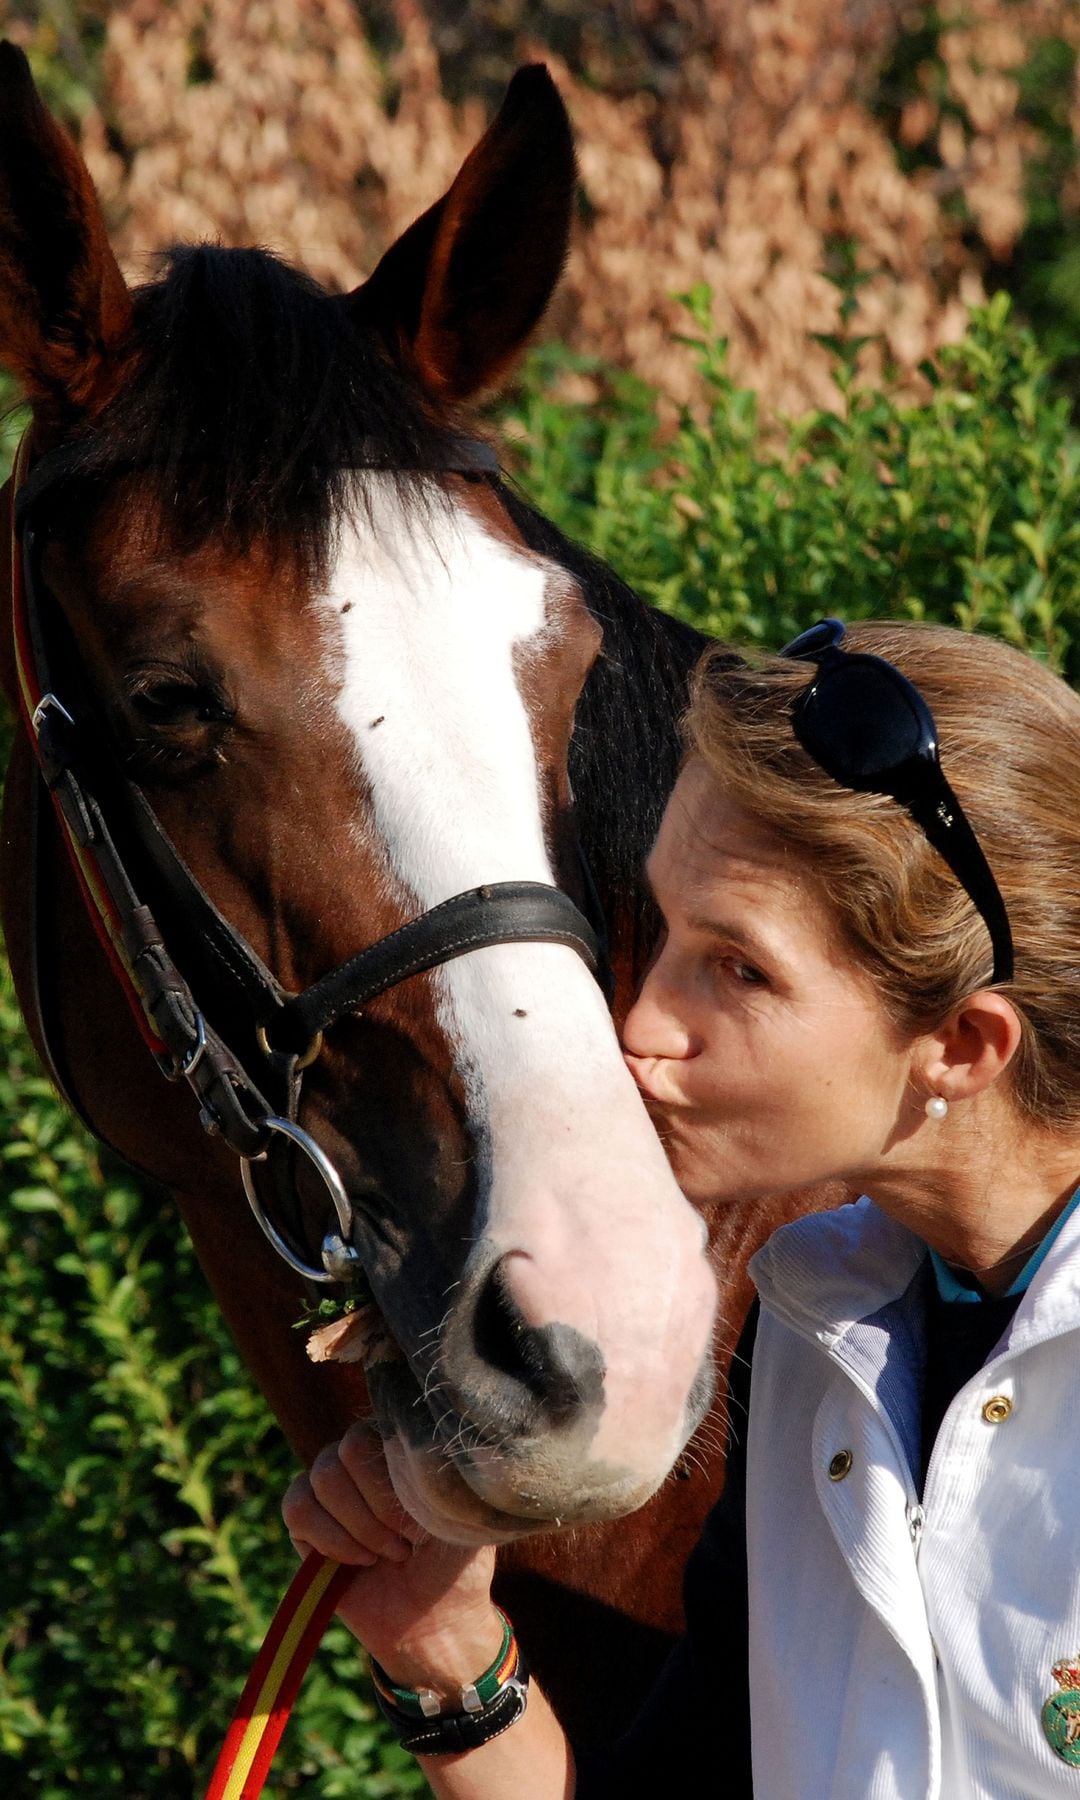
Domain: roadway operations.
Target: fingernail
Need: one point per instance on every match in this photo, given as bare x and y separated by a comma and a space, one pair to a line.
398, 1551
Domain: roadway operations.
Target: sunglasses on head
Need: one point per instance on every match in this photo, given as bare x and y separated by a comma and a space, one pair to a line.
869, 727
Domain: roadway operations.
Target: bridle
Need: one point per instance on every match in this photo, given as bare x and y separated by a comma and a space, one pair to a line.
225, 1014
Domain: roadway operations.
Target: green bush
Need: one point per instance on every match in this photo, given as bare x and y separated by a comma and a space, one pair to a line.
140, 1545
963, 508
141, 1552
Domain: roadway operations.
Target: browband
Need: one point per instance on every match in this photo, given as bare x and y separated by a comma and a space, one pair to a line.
461, 456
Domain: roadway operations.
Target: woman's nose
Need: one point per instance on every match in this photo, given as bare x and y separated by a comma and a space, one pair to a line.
655, 1030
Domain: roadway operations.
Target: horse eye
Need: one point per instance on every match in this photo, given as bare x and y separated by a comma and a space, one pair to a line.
173, 702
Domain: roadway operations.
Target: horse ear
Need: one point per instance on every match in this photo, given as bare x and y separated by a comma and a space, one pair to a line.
459, 293
64, 306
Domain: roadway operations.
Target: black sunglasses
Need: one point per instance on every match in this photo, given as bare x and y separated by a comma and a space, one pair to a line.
869, 728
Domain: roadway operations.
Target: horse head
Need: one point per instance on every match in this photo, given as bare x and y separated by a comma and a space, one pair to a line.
313, 642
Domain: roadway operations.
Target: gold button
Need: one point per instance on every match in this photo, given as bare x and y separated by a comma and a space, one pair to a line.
997, 1409
840, 1465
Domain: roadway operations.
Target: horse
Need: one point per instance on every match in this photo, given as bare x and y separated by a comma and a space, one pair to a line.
321, 683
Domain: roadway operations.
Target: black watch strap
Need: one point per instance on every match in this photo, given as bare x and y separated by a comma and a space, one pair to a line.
450, 1734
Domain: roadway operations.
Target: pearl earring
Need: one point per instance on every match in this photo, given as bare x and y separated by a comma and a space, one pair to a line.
936, 1107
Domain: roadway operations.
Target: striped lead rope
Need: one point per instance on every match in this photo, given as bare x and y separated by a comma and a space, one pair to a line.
267, 1700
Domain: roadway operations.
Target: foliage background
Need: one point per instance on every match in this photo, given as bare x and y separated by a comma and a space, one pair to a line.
140, 1547
743, 145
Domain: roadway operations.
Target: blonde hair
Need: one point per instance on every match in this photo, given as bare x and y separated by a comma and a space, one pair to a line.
1009, 736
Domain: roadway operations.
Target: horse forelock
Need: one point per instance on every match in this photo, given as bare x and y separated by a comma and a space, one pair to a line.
252, 396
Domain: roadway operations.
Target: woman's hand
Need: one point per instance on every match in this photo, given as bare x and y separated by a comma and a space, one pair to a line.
424, 1611
422, 1608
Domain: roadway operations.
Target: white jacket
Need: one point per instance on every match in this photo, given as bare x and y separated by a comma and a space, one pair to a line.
899, 1651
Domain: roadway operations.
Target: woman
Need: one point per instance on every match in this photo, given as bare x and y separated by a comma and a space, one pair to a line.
871, 971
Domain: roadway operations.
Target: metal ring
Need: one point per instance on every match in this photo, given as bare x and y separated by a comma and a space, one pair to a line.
198, 1049
305, 1061
331, 1181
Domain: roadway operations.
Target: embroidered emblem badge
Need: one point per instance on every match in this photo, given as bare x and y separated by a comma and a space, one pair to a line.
1061, 1713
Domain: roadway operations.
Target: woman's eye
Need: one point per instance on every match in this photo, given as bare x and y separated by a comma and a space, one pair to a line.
743, 972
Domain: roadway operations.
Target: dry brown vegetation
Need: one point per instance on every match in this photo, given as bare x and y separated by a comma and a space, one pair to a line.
729, 143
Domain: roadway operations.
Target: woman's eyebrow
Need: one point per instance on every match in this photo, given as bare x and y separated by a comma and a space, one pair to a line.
744, 936
734, 932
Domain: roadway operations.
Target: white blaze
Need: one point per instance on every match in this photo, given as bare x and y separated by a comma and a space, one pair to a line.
437, 609
432, 613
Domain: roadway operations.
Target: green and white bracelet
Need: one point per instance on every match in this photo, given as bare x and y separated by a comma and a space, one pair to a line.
430, 1725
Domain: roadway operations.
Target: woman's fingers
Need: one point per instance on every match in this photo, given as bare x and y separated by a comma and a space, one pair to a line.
362, 1457
309, 1523
329, 1509
356, 1498
358, 1539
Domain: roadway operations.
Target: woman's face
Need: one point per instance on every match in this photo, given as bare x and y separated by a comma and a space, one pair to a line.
765, 1055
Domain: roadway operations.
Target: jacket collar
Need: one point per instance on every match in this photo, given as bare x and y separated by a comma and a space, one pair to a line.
822, 1273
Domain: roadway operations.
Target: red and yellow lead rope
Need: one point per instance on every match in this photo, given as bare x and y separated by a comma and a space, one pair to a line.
267, 1700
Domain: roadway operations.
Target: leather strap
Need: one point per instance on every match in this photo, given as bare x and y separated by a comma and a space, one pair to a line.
461, 456
40, 998
451, 1734
184, 1042
504, 912
177, 1032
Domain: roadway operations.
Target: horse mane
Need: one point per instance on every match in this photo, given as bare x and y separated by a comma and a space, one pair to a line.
633, 701
253, 396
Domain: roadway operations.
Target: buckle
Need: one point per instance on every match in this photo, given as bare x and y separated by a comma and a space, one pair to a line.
198, 1049
49, 703
54, 729
173, 1065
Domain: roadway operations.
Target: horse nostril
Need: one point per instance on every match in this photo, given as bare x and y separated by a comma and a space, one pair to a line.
498, 1330
560, 1368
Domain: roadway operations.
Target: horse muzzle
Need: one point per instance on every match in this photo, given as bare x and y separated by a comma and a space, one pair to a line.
507, 1432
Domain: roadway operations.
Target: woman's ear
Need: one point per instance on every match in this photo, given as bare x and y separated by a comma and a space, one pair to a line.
973, 1047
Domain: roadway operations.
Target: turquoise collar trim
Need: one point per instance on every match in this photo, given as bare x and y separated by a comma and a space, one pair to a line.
953, 1289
